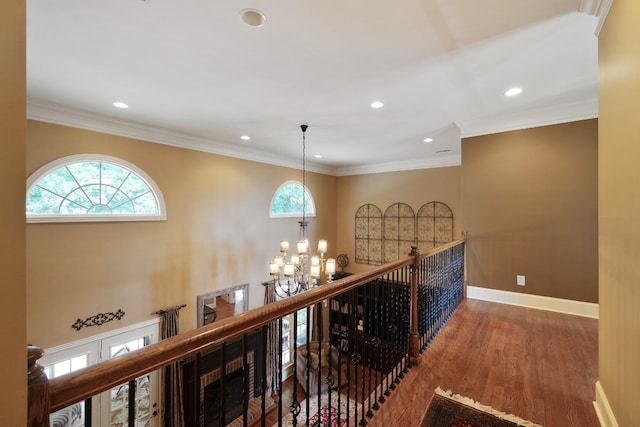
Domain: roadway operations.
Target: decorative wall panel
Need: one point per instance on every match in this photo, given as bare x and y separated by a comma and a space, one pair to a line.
386, 238
434, 223
369, 235
399, 231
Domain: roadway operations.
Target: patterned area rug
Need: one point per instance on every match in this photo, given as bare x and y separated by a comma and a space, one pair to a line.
447, 409
328, 416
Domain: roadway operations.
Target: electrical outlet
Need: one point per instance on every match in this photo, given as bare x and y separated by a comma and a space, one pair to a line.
520, 280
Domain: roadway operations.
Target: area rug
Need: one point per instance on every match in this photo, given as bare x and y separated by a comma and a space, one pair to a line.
452, 410
327, 416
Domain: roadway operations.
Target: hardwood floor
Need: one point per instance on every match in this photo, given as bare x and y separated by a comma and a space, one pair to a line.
538, 365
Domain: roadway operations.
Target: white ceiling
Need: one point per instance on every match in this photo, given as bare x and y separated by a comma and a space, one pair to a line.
194, 75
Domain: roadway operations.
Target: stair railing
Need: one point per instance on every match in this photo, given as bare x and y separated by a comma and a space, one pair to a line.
395, 310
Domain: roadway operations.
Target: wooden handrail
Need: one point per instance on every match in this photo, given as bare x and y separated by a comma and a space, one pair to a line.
444, 247
90, 381
85, 383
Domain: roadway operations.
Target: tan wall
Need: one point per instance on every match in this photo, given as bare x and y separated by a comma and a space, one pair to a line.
13, 392
619, 210
529, 204
414, 188
217, 235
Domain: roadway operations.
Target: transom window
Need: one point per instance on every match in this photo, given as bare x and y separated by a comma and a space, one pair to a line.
91, 187
288, 201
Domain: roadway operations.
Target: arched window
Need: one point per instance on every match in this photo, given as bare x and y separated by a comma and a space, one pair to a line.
287, 201
92, 187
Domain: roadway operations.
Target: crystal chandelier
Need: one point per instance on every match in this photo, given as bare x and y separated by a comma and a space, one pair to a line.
301, 270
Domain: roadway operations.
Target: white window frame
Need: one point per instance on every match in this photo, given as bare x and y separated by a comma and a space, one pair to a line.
293, 336
94, 347
311, 205
78, 158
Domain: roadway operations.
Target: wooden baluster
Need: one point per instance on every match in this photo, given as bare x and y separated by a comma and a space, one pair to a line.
38, 399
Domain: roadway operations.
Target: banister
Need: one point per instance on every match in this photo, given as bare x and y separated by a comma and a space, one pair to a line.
90, 381
85, 383
444, 247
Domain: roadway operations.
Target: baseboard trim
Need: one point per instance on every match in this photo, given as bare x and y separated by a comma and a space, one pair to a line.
603, 410
578, 308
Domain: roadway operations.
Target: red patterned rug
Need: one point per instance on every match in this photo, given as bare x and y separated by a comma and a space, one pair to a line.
452, 410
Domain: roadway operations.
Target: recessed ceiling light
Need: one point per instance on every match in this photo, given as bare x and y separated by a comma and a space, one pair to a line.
252, 17
120, 104
245, 137
376, 104
428, 140
318, 156
513, 91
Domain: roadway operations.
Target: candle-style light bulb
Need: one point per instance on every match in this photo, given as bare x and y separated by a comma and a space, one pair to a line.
289, 270
331, 266
274, 269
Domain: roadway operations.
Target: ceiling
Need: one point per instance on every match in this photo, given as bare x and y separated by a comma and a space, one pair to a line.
195, 75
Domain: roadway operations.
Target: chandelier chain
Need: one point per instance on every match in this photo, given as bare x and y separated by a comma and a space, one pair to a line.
304, 173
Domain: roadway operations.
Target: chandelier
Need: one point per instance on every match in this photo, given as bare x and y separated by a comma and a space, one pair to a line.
301, 270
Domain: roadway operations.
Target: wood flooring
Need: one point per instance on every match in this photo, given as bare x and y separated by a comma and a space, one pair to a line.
538, 365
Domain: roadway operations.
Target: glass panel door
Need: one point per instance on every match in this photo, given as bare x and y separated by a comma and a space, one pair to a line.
115, 412
62, 362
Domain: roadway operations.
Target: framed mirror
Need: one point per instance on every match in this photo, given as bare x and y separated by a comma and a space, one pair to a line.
222, 303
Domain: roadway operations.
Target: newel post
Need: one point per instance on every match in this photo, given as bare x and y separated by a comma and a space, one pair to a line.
38, 390
414, 339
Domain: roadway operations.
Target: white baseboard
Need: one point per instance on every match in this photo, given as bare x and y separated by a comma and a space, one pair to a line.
578, 308
605, 414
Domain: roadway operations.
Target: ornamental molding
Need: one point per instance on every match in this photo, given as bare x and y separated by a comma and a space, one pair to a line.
597, 8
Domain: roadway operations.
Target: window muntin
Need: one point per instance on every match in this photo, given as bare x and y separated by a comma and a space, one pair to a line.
92, 187
287, 201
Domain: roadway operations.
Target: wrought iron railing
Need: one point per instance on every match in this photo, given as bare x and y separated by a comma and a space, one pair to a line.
369, 328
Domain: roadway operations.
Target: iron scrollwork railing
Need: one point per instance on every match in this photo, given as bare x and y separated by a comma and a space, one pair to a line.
440, 290
367, 328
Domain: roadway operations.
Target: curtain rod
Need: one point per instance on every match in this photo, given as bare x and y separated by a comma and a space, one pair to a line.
177, 307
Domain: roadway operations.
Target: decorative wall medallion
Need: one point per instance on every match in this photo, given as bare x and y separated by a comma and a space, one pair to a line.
98, 319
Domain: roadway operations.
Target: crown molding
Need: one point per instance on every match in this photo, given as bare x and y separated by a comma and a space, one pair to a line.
60, 115
599, 9
564, 113
427, 163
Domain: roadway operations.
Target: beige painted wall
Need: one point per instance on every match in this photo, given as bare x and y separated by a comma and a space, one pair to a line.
13, 392
619, 210
529, 204
217, 235
414, 188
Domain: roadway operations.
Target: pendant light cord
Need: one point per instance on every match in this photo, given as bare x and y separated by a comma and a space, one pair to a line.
304, 173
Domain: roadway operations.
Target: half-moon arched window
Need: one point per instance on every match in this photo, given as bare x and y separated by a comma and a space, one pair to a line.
91, 188
289, 199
